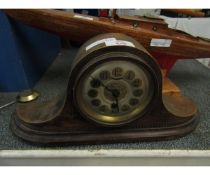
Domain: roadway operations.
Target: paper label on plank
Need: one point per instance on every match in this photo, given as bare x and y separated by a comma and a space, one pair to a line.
83, 17
110, 42
160, 42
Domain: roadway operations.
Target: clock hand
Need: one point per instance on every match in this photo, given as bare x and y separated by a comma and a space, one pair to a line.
101, 83
118, 110
115, 93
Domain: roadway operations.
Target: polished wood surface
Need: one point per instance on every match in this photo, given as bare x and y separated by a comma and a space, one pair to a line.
80, 28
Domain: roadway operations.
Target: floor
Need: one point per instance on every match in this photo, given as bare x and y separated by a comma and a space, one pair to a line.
191, 76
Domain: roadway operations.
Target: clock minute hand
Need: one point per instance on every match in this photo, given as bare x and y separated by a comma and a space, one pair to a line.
116, 94
118, 110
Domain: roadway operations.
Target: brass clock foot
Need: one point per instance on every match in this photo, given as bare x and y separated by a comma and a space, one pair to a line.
27, 95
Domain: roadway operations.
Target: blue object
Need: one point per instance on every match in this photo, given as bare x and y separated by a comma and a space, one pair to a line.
25, 54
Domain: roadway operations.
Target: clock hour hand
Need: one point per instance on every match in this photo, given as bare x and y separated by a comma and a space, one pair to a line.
99, 82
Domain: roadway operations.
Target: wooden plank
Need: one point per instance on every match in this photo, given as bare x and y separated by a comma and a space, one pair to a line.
80, 28
190, 12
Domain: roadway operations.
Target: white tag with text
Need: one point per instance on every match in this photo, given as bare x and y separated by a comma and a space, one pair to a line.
99, 42
119, 43
161, 42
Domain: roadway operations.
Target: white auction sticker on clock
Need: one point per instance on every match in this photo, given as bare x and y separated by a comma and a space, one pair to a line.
160, 42
119, 43
100, 42
110, 42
